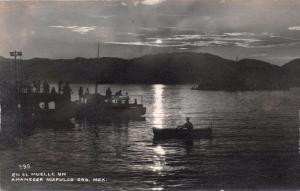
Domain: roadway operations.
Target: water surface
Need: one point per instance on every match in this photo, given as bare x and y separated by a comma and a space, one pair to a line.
255, 144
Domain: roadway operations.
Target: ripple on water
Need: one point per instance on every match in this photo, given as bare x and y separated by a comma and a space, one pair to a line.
253, 147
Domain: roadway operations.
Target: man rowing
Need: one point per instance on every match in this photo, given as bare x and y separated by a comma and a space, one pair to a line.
188, 125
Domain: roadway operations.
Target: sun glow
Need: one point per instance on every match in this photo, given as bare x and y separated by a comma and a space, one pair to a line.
158, 41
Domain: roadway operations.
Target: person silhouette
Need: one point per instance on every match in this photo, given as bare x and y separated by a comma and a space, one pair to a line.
86, 95
108, 93
67, 91
60, 86
80, 94
188, 125
46, 88
53, 91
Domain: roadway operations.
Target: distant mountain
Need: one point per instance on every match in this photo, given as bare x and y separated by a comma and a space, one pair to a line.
209, 71
259, 75
292, 70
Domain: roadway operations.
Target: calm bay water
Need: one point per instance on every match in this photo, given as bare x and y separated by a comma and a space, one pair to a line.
255, 144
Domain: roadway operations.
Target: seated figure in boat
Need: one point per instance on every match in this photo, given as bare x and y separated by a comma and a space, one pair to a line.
123, 99
188, 125
118, 95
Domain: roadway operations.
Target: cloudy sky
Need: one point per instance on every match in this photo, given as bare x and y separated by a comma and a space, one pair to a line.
267, 30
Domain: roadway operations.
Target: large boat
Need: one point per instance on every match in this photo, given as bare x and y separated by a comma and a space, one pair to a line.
95, 107
45, 107
100, 107
175, 133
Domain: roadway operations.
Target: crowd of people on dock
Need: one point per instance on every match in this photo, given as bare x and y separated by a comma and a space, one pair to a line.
118, 96
83, 95
38, 87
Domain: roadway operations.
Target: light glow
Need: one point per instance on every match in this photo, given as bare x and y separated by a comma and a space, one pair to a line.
158, 111
158, 41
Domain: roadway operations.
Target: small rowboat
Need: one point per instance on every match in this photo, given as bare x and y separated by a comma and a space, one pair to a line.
173, 133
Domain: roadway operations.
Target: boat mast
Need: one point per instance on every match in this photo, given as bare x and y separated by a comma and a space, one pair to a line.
98, 52
98, 61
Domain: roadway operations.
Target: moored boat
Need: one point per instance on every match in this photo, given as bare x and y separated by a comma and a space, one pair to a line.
100, 107
174, 133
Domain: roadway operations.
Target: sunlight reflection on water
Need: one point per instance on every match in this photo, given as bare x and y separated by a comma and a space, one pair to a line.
158, 112
159, 159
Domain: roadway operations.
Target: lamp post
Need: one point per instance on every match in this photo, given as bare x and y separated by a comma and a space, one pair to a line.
15, 54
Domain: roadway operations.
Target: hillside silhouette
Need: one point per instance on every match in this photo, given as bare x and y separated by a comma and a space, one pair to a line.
292, 68
211, 72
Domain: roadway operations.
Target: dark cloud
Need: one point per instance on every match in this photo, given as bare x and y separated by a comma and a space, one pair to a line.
135, 27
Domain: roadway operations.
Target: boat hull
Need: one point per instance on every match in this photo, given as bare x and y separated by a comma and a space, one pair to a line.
109, 111
173, 133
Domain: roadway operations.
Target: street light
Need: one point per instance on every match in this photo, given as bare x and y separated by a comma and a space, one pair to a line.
15, 54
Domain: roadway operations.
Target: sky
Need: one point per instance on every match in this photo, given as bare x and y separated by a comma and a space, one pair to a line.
268, 30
